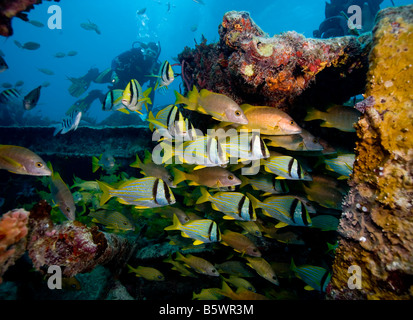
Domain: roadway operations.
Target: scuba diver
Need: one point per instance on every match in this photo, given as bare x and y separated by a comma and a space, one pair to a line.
335, 24
136, 63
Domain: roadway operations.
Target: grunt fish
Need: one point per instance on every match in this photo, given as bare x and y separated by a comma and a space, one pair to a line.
143, 193
202, 231
263, 268
285, 167
70, 122
234, 205
62, 196
112, 219
240, 243
316, 278
133, 98
289, 210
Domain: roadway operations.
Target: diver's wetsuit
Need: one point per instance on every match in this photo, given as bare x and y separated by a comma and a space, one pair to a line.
137, 63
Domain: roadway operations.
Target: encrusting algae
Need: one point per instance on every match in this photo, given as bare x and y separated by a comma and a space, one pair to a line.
377, 222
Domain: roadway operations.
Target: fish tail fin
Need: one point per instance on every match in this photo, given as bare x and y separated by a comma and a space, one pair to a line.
106, 192
150, 119
179, 256
57, 130
180, 99
148, 157
137, 163
226, 288
95, 164
314, 114
244, 181
176, 225
132, 269
292, 265
205, 196
179, 176
254, 201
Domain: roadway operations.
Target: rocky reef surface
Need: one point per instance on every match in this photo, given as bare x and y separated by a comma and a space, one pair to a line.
377, 224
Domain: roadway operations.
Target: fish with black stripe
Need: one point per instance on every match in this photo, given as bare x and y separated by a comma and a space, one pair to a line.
234, 205
289, 210
285, 167
267, 183
165, 77
143, 193
9, 95
316, 278
70, 122
134, 98
172, 120
202, 231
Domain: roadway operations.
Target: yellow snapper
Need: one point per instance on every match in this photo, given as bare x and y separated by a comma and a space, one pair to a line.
239, 283
269, 120
200, 265
133, 98
289, 210
21, 160
234, 205
172, 120
62, 196
205, 151
240, 243
148, 168
147, 273
241, 293
85, 185
325, 192
219, 106
112, 219
143, 193
340, 117
285, 167
263, 268
212, 177
208, 294
250, 227
180, 267
202, 231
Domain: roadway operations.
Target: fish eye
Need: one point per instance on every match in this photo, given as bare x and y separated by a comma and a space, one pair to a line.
231, 177
237, 113
292, 122
67, 209
39, 164
315, 140
274, 277
160, 277
213, 270
254, 250
171, 179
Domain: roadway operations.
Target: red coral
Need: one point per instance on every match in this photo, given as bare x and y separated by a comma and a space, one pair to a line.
13, 231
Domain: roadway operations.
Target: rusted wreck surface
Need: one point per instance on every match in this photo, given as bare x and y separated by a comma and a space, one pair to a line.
377, 224
251, 67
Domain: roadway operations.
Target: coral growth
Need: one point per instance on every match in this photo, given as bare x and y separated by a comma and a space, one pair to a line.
377, 223
15, 8
13, 231
72, 245
246, 63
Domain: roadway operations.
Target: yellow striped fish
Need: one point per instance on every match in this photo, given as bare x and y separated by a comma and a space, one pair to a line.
315, 277
205, 151
113, 101
245, 146
342, 164
133, 98
267, 183
171, 119
289, 210
235, 205
203, 231
166, 76
263, 268
143, 193
285, 167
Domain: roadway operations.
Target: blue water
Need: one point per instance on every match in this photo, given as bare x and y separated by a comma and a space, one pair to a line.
120, 26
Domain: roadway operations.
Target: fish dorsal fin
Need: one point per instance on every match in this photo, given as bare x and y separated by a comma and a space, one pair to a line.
197, 242
148, 157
